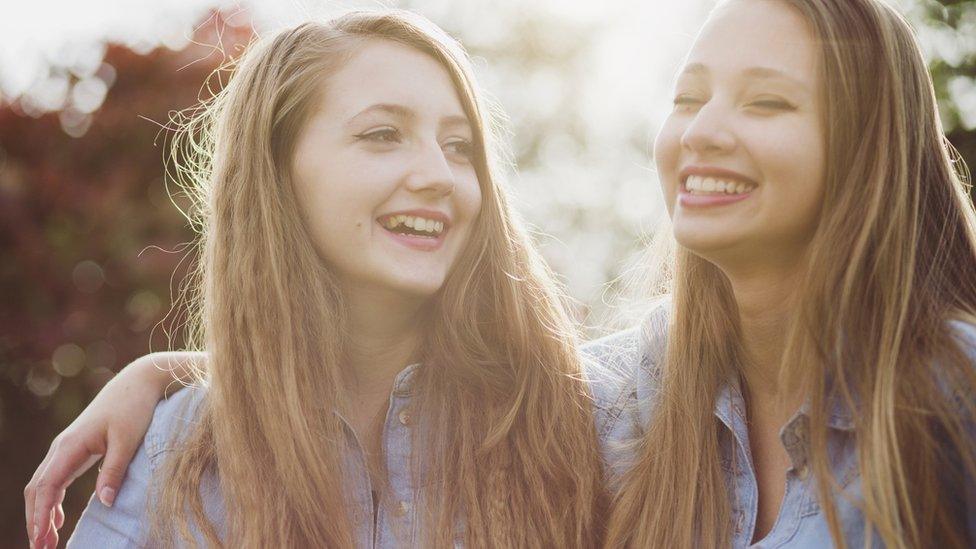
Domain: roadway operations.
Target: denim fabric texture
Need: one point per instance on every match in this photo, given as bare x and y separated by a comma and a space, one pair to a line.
800, 523
623, 372
126, 523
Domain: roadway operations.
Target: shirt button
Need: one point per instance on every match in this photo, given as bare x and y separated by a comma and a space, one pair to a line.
402, 508
404, 417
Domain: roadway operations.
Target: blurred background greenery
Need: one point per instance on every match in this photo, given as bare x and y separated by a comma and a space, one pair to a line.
92, 248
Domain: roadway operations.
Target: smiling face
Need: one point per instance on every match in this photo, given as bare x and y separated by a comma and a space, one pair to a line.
741, 157
383, 171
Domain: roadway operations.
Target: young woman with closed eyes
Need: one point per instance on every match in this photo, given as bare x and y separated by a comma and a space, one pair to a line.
812, 381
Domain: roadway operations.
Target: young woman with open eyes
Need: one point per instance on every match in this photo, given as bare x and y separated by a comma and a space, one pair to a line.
388, 361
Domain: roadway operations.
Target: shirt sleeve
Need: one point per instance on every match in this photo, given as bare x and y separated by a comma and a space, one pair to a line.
127, 522
965, 334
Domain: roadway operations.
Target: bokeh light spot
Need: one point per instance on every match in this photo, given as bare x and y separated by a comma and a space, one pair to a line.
88, 276
68, 359
43, 381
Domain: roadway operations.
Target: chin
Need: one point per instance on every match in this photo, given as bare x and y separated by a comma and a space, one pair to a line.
705, 243
418, 286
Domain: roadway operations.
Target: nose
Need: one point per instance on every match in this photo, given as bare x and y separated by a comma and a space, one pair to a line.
709, 131
430, 172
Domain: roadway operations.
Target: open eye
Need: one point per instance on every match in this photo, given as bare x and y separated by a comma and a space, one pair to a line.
381, 135
459, 146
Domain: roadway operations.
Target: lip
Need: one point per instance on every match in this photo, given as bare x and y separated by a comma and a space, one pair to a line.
421, 243
689, 200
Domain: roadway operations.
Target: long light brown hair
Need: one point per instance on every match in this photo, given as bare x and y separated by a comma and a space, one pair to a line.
510, 449
892, 263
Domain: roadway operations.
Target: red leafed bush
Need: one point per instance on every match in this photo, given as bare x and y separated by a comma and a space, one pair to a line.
91, 248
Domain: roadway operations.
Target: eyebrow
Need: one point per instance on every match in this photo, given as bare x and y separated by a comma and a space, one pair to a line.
759, 73
402, 111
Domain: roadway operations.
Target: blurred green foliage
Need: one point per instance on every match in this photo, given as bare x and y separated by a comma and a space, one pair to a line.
948, 29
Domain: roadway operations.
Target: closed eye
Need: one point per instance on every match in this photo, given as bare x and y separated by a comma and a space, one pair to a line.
773, 104
382, 135
686, 102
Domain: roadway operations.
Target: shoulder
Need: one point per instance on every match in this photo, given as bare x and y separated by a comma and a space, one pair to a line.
957, 382
964, 333
626, 348
125, 524
174, 416
615, 366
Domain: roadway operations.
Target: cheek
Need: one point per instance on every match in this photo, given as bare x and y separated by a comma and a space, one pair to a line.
332, 209
468, 195
799, 157
667, 148
796, 165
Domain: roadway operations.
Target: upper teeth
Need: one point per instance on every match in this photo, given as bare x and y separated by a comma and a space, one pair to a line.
416, 223
697, 183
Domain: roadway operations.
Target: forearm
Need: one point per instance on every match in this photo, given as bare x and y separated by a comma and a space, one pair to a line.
163, 369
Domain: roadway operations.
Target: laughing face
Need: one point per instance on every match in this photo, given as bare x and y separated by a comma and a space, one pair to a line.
383, 171
741, 157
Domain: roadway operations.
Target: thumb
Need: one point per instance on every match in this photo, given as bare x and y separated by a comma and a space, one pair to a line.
112, 471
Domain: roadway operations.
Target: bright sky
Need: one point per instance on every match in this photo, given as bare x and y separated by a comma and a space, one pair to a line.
592, 203
32, 33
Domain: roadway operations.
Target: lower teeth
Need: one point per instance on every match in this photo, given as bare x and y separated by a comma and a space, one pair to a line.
412, 233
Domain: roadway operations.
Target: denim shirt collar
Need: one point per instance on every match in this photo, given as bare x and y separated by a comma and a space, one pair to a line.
730, 401
402, 385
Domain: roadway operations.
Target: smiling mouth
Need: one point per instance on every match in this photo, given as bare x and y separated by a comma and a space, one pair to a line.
699, 185
414, 226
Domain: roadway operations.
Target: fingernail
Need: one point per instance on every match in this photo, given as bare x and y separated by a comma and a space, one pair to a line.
107, 496
34, 538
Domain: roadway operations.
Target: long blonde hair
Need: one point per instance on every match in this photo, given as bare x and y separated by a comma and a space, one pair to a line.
510, 445
893, 261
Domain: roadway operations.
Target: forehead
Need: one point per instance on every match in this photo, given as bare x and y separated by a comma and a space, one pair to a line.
742, 34
387, 72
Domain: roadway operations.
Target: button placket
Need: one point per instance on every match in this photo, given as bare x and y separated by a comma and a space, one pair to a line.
402, 508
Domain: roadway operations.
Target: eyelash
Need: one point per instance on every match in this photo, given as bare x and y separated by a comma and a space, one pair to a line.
392, 135
773, 104
466, 149
686, 100
770, 104
383, 135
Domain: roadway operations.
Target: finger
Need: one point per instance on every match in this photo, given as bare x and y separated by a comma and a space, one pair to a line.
69, 460
45, 519
112, 471
59, 516
31, 490
53, 539
50, 539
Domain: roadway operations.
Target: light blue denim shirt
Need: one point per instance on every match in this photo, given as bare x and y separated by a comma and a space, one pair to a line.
126, 523
801, 524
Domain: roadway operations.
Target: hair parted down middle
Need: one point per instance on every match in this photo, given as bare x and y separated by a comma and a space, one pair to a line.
891, 266
510, 448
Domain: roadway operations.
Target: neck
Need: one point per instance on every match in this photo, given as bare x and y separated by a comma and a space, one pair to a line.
765, 297
384, 335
